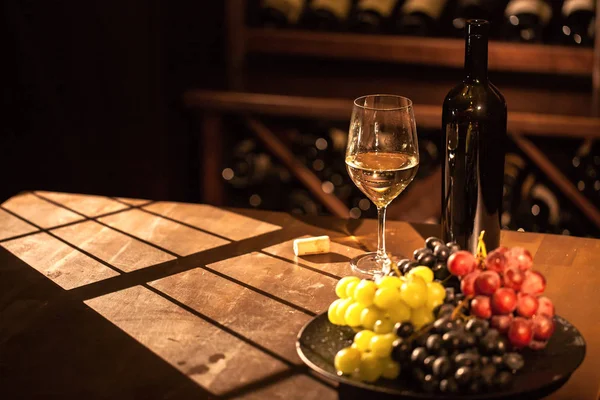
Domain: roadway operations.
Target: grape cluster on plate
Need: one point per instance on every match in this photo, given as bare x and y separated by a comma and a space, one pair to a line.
455, 355
463, 338
508, 293
434, 255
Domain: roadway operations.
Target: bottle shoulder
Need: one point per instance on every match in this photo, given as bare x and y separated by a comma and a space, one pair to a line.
475, 96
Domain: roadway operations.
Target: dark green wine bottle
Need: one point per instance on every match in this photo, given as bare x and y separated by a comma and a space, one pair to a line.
474, 123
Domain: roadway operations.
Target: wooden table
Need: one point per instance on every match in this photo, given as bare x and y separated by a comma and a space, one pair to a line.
122, 298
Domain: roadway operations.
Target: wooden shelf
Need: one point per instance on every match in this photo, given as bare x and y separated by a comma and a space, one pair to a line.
503, 56
427, 116
329, 79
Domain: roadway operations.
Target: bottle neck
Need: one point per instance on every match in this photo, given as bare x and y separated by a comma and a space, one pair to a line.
476, 58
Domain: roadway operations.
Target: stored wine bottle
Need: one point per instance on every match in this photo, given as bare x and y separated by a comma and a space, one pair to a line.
242, 171
327, 15
420, 17
538, 209
586, 170
474, 123
372, 16
429, 157
301, 202
514, 173
526, 20
280, 13
545, 209
579, 22
489, 10
578, 172
593, 172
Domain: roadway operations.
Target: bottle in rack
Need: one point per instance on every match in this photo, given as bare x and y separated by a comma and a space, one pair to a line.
515, 168
248, 165
327, 15
474, 125
429, 154
586, 170
538, 208
490, 10
579, 22
253, 178
420, 17
372, 16
527, 20
280, 13
299, 201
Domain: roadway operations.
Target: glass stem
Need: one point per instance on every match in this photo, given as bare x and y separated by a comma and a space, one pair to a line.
381, 254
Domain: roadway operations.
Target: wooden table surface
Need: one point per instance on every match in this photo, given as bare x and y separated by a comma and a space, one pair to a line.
122, 298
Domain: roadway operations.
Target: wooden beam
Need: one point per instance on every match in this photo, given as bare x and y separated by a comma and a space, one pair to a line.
553, 125
558, 178
427, 116
503, 56
299, 170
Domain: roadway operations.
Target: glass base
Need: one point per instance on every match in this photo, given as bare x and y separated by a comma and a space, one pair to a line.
370, 264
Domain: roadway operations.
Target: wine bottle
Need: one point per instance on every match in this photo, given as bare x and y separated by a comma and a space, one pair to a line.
429, 157
489, 10
372, 16
327, 15
579, 22
586, 170
526, 20
593, 172
538, 208
280, 13
514, 173
248, 165
545, 209
474, 124
420, 17
301, 202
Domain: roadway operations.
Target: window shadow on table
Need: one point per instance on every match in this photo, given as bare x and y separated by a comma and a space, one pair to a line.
327, 258
349, 227
345, 226
58, 345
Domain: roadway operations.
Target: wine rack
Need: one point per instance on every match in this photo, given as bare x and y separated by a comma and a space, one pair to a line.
538, 110
253, 107
244, 41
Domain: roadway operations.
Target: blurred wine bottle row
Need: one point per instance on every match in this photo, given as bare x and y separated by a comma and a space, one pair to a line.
255, 178
532, 203
566, 22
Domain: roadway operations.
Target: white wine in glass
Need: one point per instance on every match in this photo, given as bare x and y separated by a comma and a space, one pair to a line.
382, 159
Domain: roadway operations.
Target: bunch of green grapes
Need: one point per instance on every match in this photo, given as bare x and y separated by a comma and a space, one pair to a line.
375, 307
378, 305
369, 357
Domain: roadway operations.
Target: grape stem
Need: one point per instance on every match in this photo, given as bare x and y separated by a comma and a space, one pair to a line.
424, 329
396, 270
481, 251
459, 307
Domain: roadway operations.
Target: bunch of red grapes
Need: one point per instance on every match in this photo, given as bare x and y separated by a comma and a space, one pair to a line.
503, 289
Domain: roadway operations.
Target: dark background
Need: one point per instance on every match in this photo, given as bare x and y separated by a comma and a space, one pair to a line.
93, 103
92, 94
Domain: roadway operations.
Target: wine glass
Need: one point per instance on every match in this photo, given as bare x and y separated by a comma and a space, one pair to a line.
382, 158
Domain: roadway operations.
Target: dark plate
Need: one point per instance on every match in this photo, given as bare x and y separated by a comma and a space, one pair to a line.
545, 371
